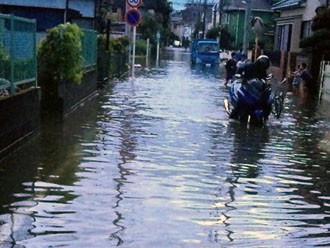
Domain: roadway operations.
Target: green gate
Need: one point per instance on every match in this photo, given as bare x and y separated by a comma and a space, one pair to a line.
18, 60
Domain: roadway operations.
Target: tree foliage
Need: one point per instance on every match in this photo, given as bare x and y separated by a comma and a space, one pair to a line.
320, 39
160, 21
226, 39
60, 56
3, 54
115, 45
321, 20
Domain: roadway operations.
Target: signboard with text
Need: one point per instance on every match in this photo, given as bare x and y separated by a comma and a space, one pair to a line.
134, 3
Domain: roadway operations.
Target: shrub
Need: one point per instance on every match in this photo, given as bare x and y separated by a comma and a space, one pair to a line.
141, 47
115, 45
60, 56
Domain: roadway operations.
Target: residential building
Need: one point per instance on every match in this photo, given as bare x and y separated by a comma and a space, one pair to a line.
50, 13
294, 22
197, 18
179, 28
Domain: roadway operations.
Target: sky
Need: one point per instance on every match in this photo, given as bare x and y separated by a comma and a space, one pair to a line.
178, 4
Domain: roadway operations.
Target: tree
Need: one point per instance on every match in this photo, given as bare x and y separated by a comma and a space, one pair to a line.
158, 22
320, 39
225, 40
60, 55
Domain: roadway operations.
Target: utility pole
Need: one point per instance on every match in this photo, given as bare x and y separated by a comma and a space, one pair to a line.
66, 11
220, 20
198, 19
204, 18
220, 12
247, 27
214, 15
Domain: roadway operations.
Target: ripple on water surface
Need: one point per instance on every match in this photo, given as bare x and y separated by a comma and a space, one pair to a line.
155, 163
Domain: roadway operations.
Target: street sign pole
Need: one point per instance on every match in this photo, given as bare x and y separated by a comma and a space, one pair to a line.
133, 59
158, 38
133, 18
147, 55
247, 27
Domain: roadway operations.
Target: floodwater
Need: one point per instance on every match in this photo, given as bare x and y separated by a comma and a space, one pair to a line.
155, 162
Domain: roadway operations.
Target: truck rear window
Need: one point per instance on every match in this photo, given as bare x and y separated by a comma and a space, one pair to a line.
208, 47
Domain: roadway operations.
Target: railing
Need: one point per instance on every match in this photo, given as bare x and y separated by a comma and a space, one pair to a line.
325, 81
89, 47
18, 60
111, 65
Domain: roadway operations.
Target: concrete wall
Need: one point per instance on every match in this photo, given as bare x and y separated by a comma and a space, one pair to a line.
20, 116
59, 98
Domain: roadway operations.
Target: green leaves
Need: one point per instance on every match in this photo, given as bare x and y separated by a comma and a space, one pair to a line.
60, 54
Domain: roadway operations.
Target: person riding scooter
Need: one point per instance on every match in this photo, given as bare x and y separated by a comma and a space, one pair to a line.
250, 95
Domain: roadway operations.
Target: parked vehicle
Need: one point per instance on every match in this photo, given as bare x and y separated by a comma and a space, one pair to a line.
205, 52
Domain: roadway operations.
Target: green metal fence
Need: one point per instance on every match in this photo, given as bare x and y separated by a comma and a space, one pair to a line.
18, 60
110, 65
89, 47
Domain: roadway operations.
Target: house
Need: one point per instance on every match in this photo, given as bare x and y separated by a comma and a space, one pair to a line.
50, 13
294, 23
233, 18
115, 10
194, 15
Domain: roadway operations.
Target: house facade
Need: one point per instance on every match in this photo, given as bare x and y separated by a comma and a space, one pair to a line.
50, 13
233, 18
197, 17
294, 23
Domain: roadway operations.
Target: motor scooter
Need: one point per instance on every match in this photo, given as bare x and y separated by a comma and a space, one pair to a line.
253, 100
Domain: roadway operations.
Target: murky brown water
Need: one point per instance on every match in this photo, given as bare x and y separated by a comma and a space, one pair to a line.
156, 163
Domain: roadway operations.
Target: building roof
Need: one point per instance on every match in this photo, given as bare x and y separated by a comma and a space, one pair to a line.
85, 7
287, 4
263, 5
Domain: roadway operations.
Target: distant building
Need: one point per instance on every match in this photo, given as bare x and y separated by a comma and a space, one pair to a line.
193, 17
233, 18
294, 22
50, 13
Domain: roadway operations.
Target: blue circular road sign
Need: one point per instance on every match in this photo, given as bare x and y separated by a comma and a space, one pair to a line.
133, 17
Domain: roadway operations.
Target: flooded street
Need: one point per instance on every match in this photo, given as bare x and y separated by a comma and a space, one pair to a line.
155, 162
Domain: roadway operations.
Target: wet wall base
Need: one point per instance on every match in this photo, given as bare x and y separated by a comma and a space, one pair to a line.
20, 117
60, 98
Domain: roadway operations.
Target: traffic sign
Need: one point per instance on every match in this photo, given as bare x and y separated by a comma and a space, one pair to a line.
134, 3
133, 17
158, 36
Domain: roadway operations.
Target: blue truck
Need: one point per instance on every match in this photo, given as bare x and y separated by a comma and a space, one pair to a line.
205, 52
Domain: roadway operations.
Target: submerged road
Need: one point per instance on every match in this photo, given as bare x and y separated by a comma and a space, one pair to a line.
155, 162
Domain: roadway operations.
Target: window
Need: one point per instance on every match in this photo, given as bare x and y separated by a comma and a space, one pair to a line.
306, 29
284, 37
207, 47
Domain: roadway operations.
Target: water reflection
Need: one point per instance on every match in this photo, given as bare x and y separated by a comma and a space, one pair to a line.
127, 146
155, 162
248, 145
36, 181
